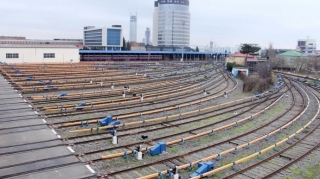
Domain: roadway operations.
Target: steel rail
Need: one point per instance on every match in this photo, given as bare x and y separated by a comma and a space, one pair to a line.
266, 149
129, 115
195, 151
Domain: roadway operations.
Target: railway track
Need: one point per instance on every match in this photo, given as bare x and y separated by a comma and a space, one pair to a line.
194, 132
139, 113
249, 135
265, 171
145, 166
156, 92
105, 93
302, 145
131, 102
76, 84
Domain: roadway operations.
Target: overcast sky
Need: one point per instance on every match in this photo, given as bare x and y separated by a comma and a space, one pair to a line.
226, 22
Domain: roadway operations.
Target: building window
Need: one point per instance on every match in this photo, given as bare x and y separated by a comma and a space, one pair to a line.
12, 55
113, 37
49, 55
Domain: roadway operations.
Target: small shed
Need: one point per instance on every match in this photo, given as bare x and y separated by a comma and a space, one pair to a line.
238, 70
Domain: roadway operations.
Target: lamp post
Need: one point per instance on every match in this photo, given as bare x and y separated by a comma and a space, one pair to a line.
183, 23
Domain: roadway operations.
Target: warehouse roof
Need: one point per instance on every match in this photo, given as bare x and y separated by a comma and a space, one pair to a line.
292, 54
238, 54
35, 46
147, 52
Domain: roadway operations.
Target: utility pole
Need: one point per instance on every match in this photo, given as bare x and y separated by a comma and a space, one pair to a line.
183, 23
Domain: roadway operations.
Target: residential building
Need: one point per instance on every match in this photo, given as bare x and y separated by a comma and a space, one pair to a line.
104, 38
307, 46
133, 28
244, 60
171, 23
34, 53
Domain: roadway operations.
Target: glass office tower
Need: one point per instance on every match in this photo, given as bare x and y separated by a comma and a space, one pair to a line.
171, 23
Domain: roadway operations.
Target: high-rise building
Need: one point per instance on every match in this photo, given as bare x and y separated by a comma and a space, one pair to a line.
307, 46
211, 45
171, 23
147, 36
104, 38
133, 28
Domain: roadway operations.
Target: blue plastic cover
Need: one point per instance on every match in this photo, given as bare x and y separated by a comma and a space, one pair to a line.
158, 148
82, 104
48, 87
203, 167
63, 94
113, 123
29, 78
105, 121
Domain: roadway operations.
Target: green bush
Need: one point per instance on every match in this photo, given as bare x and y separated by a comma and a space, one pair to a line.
231, 65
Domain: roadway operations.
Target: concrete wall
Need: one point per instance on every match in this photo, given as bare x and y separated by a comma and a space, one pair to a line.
35, 55
237, 60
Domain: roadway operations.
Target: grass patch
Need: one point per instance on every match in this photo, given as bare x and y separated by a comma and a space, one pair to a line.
308, 171
312, 171
172, 150
272, 112
217, 175
241, 95
225, 162
296, 171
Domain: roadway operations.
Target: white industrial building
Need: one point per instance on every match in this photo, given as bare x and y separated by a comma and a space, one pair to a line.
307, 46
17, 53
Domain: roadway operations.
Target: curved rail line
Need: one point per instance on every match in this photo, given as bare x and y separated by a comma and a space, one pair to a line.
154, 110
139, 113
309, 133
102, 103
237, 148
157, 162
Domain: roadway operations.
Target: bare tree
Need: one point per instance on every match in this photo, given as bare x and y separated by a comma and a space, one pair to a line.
278, 63
313, 65
263, 70
316, 64
309, 65
300, 64
271, 52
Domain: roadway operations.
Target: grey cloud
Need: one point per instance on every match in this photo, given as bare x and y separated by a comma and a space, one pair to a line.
227, 22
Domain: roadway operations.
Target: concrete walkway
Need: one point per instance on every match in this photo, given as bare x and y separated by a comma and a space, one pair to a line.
28, 148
